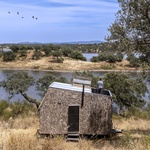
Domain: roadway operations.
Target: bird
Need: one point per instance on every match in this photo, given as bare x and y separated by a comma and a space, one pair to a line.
22, 17
33, 17
36, 18
9, 12
18, 13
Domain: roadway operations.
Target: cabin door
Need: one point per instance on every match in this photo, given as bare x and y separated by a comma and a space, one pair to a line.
73, 119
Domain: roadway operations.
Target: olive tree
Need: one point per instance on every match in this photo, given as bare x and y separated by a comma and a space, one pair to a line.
18, 83
131, 30
126, 90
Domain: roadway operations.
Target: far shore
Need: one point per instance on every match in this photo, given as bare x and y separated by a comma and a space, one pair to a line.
100, 70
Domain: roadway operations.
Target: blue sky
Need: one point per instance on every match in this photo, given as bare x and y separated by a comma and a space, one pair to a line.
57, 20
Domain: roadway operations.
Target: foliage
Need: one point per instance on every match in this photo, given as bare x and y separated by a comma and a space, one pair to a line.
66, 51
58, 55
94, 59
126, 91
43, 83
77, 55
37, 55
15, 109
130, 32
108, 56
14, 48
18, 83
23, 53
9, 56
3, 106
47, 49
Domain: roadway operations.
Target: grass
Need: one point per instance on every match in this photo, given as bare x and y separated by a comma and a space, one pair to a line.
20, 134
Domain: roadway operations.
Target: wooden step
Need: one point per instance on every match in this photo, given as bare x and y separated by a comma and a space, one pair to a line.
73, 136
72, 139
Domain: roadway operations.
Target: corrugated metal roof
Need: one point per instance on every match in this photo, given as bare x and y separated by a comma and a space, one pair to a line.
71, 87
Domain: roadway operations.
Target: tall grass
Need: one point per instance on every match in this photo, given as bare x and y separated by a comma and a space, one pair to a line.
19, 133
15, 109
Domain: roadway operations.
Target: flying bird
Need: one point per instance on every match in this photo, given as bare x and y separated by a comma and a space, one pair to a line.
36, 18
33, 17
9, 12
18, 13
22, 17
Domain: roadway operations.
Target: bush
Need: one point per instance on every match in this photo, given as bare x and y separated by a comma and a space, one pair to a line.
15, 109
78, 55
3, 106
37, 55
94, 59
9, 56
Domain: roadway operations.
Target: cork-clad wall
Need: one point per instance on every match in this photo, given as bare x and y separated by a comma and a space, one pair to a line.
95, 117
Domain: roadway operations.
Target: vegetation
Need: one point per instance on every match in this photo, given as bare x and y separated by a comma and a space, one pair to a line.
15, 109
43, 83
18, 83
110, 57
9, 56
130, 32
126, 91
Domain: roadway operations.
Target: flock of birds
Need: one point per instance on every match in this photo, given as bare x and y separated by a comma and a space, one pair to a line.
23, 17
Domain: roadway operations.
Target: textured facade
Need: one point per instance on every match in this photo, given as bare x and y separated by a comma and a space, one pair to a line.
94, 114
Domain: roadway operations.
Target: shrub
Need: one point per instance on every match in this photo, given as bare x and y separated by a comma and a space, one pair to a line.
15, 109
9, 56
3, 106
77, 55
94, 59
37, 55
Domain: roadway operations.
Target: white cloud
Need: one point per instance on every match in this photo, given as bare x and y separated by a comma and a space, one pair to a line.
74, 14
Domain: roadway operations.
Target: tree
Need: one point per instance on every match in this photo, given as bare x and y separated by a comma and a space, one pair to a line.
43, 83
14, 48
58, 55
126, 91
9, 56
131, 30
36, 55
18, 83
78, 55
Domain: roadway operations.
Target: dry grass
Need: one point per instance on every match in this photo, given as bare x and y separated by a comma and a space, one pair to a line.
47, 63
20, 134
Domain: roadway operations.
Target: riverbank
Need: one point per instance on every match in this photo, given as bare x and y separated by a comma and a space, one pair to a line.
68, 65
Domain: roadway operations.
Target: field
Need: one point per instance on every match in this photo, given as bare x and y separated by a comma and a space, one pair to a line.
48, 63
20, 134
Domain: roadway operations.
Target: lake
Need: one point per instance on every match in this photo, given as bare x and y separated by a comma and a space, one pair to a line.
38, 74
88, 56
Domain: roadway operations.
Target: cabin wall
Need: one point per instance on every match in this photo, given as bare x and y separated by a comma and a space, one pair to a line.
95, 115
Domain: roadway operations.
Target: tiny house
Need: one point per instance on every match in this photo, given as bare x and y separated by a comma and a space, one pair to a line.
71, 109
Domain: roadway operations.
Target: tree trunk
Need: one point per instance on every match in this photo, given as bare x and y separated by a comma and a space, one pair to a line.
30, 99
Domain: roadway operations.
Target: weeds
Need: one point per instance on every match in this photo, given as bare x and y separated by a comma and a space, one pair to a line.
8, 110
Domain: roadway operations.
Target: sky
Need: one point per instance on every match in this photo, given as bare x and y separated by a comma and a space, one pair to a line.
57, 20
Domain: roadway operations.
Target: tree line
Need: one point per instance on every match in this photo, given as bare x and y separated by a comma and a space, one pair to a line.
126, 91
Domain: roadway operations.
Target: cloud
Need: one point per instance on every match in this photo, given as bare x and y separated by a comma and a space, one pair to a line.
57, 15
